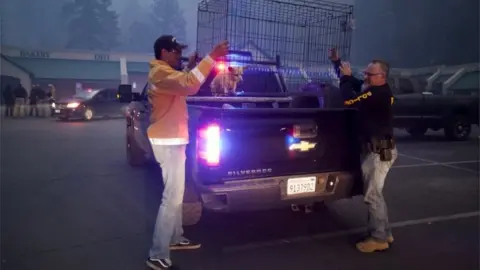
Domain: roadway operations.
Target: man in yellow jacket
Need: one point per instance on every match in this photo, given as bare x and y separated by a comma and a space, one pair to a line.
168, 135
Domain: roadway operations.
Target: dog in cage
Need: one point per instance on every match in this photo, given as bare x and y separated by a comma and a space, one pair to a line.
226, 81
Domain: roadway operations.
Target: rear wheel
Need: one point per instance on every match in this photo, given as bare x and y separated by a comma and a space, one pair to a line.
458, 128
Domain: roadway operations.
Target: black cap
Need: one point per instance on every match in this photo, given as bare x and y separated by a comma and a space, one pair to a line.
167, 42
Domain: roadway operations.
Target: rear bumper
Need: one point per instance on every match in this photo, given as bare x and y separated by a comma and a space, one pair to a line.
269, 193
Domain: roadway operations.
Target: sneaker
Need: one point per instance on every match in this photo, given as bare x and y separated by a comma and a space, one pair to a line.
185, 244
371, 245
159, 264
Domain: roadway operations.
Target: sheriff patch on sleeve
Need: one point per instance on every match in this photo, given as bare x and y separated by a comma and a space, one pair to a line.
358, 99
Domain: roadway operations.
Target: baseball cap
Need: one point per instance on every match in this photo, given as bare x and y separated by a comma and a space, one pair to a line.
167, 42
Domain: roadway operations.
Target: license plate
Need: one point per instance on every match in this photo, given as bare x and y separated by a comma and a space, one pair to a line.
57, 111
301, 185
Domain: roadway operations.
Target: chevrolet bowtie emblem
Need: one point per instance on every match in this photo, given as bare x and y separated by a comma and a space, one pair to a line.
303, 146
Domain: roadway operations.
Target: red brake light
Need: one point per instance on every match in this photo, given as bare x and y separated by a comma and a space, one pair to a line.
221, 66
209, 144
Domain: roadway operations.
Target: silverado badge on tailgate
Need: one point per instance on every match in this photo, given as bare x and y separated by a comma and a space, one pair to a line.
302, 146
250, 172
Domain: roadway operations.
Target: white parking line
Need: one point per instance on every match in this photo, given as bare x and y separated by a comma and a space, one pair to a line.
304, 239
435, 163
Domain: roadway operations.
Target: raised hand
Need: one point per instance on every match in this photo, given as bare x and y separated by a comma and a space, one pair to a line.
345, 69
192, 60
221, 49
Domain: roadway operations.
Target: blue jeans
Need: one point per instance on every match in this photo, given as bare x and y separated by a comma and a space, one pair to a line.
168, 226
374, 173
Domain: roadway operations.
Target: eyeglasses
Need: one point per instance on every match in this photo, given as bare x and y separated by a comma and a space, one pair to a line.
368, 74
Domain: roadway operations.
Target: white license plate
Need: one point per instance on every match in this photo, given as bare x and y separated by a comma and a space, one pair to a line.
301, 185
57, 111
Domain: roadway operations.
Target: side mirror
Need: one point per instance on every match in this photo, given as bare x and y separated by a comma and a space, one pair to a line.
124, 93
136, 96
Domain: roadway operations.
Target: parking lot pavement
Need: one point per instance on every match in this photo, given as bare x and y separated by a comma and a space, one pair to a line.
70, 201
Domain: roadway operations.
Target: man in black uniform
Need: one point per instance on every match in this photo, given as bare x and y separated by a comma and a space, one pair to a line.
373, 98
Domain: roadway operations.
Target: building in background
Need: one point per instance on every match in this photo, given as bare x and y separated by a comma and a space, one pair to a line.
69, 69
13, 74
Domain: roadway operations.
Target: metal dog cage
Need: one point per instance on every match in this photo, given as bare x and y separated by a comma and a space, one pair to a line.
299, 32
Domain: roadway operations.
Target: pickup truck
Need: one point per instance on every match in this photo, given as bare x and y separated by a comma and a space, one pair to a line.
417, 109
251, 157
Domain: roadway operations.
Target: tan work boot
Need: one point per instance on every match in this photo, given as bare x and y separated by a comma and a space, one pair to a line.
390, 239
371, 245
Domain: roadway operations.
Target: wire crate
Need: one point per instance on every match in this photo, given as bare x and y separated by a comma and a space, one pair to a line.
300, 31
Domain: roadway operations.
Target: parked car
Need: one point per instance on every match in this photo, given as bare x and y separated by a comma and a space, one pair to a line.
417, 109
89, 104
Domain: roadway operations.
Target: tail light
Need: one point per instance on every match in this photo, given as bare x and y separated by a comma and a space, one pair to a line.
209, 144
221, 66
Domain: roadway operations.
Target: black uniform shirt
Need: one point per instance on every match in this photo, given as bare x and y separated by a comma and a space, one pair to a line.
375, 106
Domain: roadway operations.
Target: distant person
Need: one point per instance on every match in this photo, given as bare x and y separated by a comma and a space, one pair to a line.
51, 91
51, 98
9, 99
35, 96
21, 96
168, 135
20, 92
42, 100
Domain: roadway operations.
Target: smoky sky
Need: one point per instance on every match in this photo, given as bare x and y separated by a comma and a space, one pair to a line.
407, 33
410, 33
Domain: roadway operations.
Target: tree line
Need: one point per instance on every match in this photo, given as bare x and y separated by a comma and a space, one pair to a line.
90, 24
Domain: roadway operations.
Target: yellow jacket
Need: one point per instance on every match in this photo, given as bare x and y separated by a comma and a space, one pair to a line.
167, 94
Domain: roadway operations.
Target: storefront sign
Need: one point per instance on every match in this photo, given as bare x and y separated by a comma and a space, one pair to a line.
102, 57
35, 54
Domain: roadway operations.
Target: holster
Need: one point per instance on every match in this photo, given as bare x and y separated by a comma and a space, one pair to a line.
383, 147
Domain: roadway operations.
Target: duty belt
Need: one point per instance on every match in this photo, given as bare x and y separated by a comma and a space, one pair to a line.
376, 145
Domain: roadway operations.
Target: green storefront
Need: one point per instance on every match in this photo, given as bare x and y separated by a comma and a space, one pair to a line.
67, 74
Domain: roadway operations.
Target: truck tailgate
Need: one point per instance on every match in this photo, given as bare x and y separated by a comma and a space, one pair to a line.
255, 143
